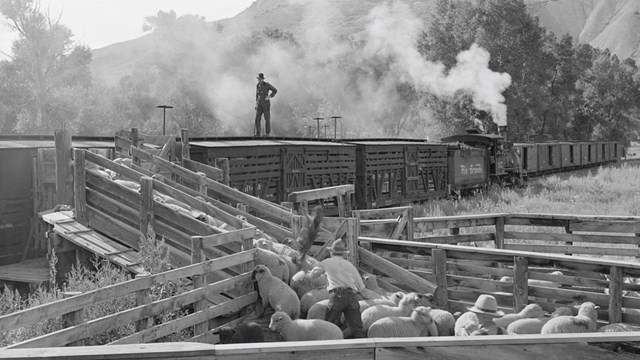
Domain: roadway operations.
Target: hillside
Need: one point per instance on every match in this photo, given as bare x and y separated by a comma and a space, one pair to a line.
613, 24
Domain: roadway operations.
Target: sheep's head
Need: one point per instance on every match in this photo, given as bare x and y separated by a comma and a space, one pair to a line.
422, 314
396, 297
414, 300
278, 319
259, 272
226, 334
370, 281
589, 309
532, 311
262, 243
290, 242
562, 311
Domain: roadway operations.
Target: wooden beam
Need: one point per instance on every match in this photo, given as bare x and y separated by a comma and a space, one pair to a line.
615, 294
386, 267
64, 173
80, 187
440, 270
520, 283
321, 193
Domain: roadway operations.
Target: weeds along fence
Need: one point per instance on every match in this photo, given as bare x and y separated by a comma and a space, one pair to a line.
140, 323
458, 274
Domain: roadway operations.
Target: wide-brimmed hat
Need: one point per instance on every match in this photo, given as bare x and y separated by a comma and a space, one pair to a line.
338, 247
260, 76
486, 304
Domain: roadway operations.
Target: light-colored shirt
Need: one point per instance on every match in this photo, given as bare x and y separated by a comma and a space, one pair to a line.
340, 273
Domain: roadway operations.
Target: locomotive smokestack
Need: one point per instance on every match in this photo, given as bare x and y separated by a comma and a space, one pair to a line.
502, 131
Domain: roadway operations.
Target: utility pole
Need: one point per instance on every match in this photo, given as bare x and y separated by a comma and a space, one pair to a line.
325, 126
318, 121
164, 115
335, 126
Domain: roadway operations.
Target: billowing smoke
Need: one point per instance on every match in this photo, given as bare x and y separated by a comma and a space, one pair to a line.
323, 76
393, 31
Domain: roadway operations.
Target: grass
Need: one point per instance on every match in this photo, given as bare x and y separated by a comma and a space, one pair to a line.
612, 190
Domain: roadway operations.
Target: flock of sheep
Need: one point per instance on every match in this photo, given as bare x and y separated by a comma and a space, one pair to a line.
300, 303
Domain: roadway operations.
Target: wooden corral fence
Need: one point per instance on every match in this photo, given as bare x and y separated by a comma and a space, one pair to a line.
214, 294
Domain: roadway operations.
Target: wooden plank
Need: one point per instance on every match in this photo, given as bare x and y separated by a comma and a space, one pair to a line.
197, 256
79, 187
210, 171
64, 172
321, 193
615, 294
413, 281
605, 226
457, 239
184, 322
433, 223
231, 236
56, 308
609, 239
34, 271
520, 283
573, 249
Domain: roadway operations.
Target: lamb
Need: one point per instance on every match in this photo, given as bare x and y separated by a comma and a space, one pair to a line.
301, 282
445, 322
585, 321
419, 323
534, 325
275, 292
319, 309
303, 330
311, 297
277, 247
276, 264
404, 308
529, 311
243, 333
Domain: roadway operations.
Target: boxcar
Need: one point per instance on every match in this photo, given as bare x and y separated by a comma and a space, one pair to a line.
392, 172
548, 157
528, 153
273, 168
570, 155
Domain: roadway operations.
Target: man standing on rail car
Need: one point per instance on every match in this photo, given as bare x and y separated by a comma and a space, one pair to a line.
263, 104
344, 284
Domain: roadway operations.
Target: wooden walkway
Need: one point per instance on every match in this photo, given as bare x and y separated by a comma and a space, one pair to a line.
67, 227
33, 271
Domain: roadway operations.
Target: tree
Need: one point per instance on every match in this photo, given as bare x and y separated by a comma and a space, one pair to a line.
610, 100
44, 60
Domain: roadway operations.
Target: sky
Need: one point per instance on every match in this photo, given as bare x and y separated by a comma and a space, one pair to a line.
98, 23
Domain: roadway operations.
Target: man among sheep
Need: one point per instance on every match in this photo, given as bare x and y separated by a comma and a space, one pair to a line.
344, 284
264, 93
486, 310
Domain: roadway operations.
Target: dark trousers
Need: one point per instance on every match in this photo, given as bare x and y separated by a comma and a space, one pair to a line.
345, 301
263, 107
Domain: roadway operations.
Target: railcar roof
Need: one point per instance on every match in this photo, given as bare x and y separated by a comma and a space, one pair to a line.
477, 138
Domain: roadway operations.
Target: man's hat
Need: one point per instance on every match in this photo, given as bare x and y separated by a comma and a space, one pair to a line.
260, 76
338, 247
486, 304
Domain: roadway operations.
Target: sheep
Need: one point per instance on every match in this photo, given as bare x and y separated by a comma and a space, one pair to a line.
276, 264
534, 325
585, 321
243, 333
275, 292
529, 311
301, 282
618, 327
311, 297
303, 330
276, 247
404, 308
319, 309
419, 323
445, 322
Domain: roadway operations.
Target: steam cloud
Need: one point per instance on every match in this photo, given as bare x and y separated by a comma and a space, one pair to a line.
313, 79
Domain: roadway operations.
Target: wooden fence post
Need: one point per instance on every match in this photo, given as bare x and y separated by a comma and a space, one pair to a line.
520, 282
410, 215
142, 298
353, 233
247, 244
73, 318
197, 256
439, 258
184, 139
147, 216
80, 187
223, 164
64, 174
500, 232
134, 143
615, 294
202, 183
